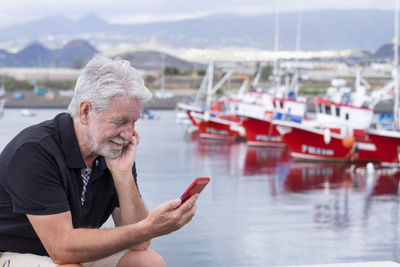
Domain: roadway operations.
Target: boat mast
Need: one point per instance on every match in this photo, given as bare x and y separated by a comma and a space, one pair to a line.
162, 80
276, 46
294, 84
396, 67
299, 24
3, 75
210, 84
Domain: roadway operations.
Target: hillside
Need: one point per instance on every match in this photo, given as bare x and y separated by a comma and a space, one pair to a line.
386, 51
321, 30
151, 60
74, 54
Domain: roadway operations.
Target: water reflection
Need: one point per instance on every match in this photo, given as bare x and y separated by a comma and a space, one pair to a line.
292, 208
262, 160
288, 176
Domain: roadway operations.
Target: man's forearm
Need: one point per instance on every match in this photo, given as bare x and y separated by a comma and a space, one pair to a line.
82, 245
132, 208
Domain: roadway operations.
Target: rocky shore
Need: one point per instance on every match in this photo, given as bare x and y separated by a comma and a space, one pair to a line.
31, 100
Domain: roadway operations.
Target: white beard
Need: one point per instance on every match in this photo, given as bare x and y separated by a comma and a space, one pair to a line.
111, 148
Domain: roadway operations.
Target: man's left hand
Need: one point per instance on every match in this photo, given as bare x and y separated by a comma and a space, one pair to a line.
123, 164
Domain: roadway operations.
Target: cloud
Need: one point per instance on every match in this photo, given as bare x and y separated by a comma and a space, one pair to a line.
124, 11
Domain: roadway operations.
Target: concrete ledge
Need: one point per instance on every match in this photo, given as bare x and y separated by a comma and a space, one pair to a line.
353, 264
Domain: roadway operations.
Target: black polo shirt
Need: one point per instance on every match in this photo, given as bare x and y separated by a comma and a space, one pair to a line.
40, 174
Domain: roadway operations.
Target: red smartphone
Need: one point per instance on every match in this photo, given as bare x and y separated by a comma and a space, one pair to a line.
196, 187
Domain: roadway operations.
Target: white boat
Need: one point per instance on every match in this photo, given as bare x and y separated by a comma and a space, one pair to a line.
2, 92
27, 113
3, 98
2, 103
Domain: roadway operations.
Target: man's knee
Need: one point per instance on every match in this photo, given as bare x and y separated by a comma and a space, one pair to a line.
156, 259
144, 258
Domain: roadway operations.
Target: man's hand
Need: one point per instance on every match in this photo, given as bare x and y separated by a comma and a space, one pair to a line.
171, 216
122, 165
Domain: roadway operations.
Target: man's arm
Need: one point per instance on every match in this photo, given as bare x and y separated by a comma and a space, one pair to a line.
65, 244
131, 207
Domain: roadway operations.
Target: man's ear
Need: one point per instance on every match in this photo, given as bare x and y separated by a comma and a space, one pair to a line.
85, 107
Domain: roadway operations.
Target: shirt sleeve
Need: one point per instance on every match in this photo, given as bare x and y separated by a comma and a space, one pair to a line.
33, 182
134, 173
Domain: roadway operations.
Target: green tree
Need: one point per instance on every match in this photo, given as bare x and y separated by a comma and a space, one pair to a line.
170, 70
266, 72
201, 72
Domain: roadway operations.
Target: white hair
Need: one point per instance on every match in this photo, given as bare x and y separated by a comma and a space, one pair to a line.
103, 80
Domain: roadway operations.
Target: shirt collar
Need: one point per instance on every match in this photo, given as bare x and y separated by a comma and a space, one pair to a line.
69, 143
100, 162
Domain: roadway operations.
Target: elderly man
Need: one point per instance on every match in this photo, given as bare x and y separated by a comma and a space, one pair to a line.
61, 179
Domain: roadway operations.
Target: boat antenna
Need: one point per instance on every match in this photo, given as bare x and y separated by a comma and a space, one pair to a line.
299, 26
276, 47
294, 84
396, 67
162, 78
210, 85
3, 75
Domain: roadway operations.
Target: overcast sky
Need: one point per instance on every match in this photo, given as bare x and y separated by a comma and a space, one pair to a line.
141, 11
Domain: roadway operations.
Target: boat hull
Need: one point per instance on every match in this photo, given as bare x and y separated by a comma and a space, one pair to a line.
307, 143
262, 133
387, 144
216, 130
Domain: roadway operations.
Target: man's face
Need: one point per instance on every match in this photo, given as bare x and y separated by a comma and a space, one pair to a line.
110, 131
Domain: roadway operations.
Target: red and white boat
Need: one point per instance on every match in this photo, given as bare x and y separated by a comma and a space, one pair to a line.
387, 144
217, 126
327, 144
259, 127
215, 118
337, 134
279, 103
218, 119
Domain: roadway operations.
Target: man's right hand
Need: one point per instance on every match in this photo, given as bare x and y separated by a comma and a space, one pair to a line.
171, 216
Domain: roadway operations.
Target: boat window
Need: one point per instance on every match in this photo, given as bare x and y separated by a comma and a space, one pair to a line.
347, 116
337, 112
321, 108
328, 110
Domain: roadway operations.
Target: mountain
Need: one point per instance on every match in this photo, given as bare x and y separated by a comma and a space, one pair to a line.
385, 52
321, 30
34, 55
75, 53
151, 60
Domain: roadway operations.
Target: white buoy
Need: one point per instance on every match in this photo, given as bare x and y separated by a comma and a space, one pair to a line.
370, 168
327, 136
206, 116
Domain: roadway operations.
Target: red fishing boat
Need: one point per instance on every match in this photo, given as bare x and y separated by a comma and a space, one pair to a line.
259, 126
387, 144
336, 135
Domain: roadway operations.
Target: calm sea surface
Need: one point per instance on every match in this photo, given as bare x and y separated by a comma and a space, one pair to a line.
260, 209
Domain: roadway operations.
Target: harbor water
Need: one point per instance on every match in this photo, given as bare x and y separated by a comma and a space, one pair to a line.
260, 208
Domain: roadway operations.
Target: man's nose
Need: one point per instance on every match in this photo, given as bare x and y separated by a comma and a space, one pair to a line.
127, 132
